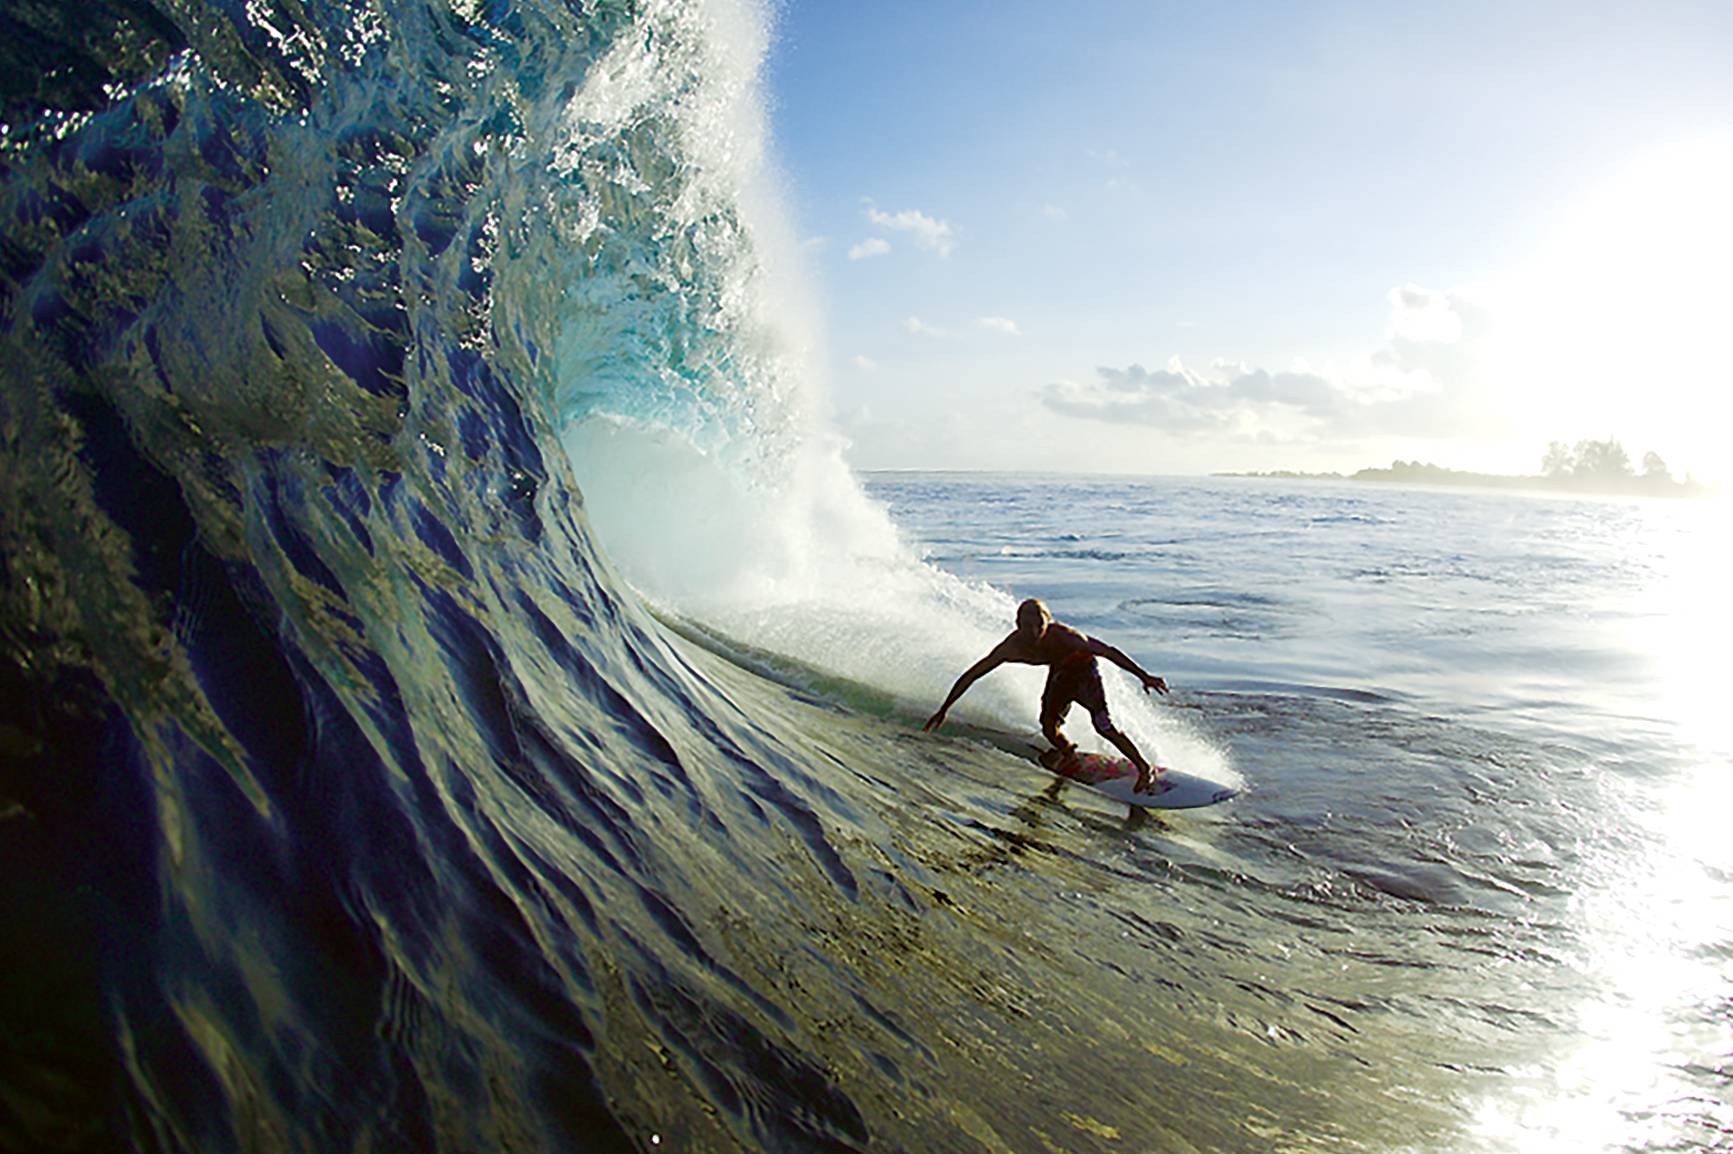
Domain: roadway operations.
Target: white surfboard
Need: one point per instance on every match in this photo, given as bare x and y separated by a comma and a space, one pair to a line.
1115, 777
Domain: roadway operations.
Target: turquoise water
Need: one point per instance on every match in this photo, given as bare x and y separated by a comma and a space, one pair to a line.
454, 696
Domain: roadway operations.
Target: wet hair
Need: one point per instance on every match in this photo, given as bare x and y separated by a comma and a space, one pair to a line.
1033, 608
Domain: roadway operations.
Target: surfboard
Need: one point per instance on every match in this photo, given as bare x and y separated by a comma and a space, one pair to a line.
1115, 777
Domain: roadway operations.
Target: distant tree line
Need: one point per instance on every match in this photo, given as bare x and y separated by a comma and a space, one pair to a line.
1587, 466
1602, 461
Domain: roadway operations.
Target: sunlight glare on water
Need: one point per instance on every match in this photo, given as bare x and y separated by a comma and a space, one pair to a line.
1655, 910
1655, 968
1685, 624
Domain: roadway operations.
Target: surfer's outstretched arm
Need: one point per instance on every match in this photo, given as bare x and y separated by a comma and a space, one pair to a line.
970, 675
1149, 680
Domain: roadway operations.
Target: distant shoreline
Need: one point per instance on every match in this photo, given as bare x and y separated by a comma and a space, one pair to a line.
1415, 473
1433, 475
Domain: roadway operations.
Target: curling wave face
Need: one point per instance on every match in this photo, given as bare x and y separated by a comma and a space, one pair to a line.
351, 799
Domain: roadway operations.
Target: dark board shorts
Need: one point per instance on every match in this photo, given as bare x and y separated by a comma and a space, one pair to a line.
1075, 681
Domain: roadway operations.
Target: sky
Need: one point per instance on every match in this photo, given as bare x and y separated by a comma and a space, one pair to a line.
1183, 238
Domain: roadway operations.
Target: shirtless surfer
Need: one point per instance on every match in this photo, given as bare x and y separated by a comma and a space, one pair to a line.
1072, 676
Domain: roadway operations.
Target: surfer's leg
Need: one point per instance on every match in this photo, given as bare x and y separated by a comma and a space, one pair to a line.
1050, 730
1125, 745
1145, 772
1093, 697
1055, 704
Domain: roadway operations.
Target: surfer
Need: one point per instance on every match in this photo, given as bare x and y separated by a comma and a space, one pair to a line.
1072, 676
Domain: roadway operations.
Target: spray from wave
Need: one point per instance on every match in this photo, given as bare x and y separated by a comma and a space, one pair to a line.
706, 471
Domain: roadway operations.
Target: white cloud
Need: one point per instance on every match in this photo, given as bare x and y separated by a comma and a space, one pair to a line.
1436, 338
1054, 212
1424, 316
921, 328
928, 232
1423, 382
1001, 325
1231, 398
863, 362
815, 243
870, 247
1111, 157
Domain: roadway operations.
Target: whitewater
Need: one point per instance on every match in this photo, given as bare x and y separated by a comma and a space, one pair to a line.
455, 696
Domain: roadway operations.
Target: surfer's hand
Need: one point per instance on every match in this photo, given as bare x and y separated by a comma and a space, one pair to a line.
934, 722
1155, 683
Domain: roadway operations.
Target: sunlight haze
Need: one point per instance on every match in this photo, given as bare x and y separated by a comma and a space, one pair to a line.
1157, 238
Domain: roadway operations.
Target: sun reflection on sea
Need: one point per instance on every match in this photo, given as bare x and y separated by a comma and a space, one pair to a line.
1641, 1073
1687, 628
1646, 1068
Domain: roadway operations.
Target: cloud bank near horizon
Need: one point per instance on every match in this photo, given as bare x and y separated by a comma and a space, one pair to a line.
1415, 385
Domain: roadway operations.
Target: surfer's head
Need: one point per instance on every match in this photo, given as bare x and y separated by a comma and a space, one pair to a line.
1033, 619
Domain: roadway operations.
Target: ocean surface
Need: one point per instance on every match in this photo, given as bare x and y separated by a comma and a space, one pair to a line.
1481, 863
454, 695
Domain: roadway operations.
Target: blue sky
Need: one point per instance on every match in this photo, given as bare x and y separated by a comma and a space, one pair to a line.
1177, 238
